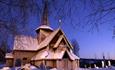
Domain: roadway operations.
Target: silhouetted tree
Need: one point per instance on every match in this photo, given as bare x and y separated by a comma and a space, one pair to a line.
4, 47
14, 14
19, 11
3, 50
75, 47
1, 55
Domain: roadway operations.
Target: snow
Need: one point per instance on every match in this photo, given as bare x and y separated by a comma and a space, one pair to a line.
44, 27
25, 43
53, 69
27, 67
5, 68
110, 68
9, 55
72, 56
28, 43
35, 68
71, 52
48, 54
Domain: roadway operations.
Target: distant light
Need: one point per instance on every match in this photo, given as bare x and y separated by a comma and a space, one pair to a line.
60, 23
60, 20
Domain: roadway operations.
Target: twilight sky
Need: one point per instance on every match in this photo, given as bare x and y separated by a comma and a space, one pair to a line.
93, 43
93, 33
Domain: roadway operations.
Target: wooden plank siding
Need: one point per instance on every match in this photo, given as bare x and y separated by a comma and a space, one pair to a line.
66, 64
24, 56
9, 62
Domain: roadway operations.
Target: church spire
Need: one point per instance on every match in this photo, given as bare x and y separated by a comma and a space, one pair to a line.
44, 19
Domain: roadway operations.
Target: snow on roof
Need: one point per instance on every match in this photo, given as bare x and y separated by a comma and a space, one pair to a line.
44, 27
8, 55
25, 43
22, 42
72, 55
47, 54
29, 43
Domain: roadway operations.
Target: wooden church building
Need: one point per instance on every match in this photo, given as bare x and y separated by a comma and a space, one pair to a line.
50, 47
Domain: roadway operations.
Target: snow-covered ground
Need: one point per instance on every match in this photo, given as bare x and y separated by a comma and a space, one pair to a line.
7, 68
110, 68
97, 69
17, 68
34, 68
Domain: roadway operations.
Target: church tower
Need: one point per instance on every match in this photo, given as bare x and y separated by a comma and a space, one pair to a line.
44, 29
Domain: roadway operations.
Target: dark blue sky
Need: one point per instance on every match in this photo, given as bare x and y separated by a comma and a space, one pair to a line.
92, 44
93, 33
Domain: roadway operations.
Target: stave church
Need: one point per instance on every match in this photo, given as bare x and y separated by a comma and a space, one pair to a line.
50, 47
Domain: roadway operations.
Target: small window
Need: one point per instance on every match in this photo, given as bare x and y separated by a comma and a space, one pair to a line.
24, 58
25, 61
54, 49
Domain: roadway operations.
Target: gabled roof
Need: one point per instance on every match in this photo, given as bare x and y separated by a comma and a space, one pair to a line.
58, 41
22, 42
47, 40
72, 55
44, 27
29, 43
51, 37
47, 54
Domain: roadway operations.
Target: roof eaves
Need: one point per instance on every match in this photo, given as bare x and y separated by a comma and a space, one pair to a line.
67, 41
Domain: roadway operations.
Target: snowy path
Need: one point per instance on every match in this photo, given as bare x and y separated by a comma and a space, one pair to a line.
97, 69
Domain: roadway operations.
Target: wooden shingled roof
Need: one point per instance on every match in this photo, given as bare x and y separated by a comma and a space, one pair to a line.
25, 43
9, 55
28, 43
47, 54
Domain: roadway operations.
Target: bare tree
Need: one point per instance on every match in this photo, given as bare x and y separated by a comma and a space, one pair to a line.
75, 47
14, 14
3, 50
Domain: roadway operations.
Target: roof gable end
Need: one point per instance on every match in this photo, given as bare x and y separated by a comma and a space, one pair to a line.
48, 39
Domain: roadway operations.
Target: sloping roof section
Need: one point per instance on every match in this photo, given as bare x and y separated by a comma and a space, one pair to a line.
50, 38
29, 43
72, 55
47, 40
44, 27
8, 55
25, 43
47, 54
58, 41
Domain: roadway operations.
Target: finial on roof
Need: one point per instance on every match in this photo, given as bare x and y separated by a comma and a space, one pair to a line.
44, 19
60, 22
